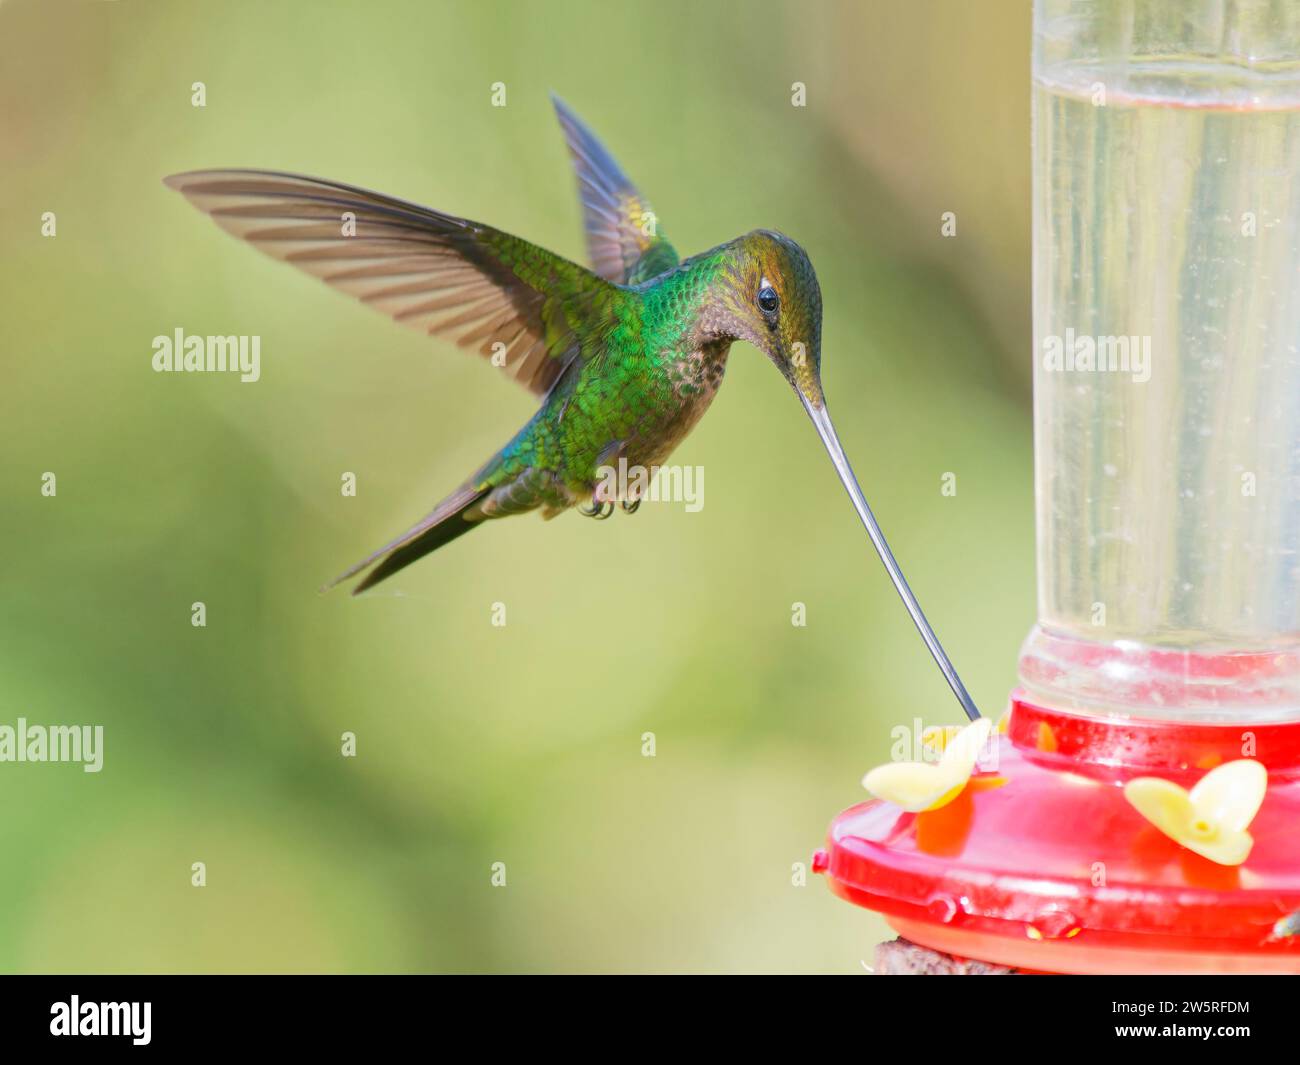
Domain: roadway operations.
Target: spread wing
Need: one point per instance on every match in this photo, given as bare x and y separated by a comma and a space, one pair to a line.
515, 303
623, 236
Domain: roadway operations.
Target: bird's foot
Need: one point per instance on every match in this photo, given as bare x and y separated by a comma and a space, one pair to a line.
599, 511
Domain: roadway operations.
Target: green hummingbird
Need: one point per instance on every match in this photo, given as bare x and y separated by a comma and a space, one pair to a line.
626, 356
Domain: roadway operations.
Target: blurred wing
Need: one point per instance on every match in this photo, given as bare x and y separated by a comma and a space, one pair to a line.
510, 300
623, 238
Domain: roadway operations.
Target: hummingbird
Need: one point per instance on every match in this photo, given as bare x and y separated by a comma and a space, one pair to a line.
625, 356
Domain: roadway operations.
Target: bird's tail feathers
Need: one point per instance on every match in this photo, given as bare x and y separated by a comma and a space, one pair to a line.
449, 519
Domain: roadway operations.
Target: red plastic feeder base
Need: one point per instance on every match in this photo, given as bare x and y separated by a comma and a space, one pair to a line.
1044, 865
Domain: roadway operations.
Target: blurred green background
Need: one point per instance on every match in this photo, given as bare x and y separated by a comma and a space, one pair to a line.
479, 744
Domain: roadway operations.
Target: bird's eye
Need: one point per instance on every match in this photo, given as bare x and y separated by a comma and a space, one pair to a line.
767, 300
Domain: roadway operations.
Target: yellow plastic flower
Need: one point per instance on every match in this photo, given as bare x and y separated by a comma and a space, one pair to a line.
937, 737
1212, 818
917, 786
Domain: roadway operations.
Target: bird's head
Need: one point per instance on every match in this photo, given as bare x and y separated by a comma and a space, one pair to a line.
771, 299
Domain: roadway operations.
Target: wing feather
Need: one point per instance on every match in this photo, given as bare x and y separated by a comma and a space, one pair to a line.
443, 275
623, 238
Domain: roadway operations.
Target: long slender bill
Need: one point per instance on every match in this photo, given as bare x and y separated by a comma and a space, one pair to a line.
826, 430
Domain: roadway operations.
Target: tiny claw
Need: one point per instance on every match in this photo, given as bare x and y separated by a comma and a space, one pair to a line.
598, 510
630, 505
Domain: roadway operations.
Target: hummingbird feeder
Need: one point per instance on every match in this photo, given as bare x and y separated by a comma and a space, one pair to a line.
1137, 809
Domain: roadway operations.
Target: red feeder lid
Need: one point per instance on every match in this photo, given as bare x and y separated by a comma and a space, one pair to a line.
1045, 865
